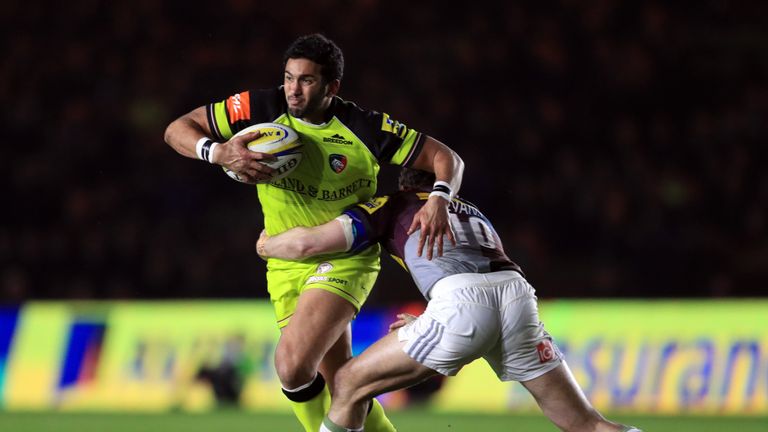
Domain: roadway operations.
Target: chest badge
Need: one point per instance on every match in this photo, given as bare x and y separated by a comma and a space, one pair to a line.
338, 162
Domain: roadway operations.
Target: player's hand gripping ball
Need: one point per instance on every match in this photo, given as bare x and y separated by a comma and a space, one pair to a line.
278, 140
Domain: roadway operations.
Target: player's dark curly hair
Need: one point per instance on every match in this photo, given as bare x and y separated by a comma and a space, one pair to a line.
320, 50
415, 179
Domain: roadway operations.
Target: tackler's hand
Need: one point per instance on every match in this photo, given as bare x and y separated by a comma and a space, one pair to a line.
432, 219
263, 237
403, 319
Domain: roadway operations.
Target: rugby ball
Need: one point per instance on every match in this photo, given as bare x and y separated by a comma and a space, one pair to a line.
278, 140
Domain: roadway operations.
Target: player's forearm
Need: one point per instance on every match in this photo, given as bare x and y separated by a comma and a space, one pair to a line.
438, 158
449, 167
293, 244
183, 133
300, 242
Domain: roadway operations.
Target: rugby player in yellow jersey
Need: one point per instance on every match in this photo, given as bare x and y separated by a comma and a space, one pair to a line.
316, 299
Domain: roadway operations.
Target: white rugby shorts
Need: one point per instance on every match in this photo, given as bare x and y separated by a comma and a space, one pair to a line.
491, 315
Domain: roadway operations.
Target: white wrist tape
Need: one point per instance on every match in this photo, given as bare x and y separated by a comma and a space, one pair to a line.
442, 195
442, 189
346, 224
210, 151
204, 149
199, 147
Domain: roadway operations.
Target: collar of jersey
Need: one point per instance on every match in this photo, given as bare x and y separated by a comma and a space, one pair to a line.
313, 125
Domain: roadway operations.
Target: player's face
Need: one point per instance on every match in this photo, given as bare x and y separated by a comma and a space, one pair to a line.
305, 92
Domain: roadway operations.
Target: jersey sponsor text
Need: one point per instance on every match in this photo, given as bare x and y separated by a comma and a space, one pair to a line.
546, 351
329, 279
337, 139
295, 185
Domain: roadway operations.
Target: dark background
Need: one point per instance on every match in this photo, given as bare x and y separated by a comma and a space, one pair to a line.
618, 147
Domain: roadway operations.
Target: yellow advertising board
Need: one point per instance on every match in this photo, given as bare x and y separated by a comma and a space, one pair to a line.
143, 356
631, 356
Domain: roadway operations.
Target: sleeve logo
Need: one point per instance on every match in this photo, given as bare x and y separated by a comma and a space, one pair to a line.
546, 351
239, 107
374, 204
393, 126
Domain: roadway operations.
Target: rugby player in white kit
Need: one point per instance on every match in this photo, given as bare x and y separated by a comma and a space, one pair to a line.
479, 305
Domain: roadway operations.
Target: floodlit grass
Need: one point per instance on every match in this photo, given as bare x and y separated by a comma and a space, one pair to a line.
406, 421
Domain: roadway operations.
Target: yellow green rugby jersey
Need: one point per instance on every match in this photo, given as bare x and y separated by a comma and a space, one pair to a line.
340, 161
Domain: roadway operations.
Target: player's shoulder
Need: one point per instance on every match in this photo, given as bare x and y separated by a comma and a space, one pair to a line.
272, 97
344, 106
351, 114
252, 106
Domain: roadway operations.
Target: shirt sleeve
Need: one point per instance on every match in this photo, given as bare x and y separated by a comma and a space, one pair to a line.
369, 222
388, 139
399, 145
237, 112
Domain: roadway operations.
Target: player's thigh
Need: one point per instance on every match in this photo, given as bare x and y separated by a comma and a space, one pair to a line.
284, 283
319, 321
526, 350
349, 277
451, 332
330, 297
382, 367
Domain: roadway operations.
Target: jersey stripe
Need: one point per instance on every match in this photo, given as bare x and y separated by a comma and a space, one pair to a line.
222, 120
212, 122
410, 148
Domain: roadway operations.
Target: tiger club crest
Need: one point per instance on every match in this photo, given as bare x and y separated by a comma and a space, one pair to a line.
338, 162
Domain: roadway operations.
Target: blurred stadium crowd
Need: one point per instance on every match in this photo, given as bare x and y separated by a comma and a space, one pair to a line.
618, 147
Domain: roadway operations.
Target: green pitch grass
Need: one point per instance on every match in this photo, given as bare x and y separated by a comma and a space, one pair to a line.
406, 421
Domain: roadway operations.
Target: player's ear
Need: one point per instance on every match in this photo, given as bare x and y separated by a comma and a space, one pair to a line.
332, 89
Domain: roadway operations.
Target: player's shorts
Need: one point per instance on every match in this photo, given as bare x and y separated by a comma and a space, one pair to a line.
491, 315
348, 276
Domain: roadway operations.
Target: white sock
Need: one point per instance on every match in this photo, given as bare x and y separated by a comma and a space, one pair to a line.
329, 426
325, 429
